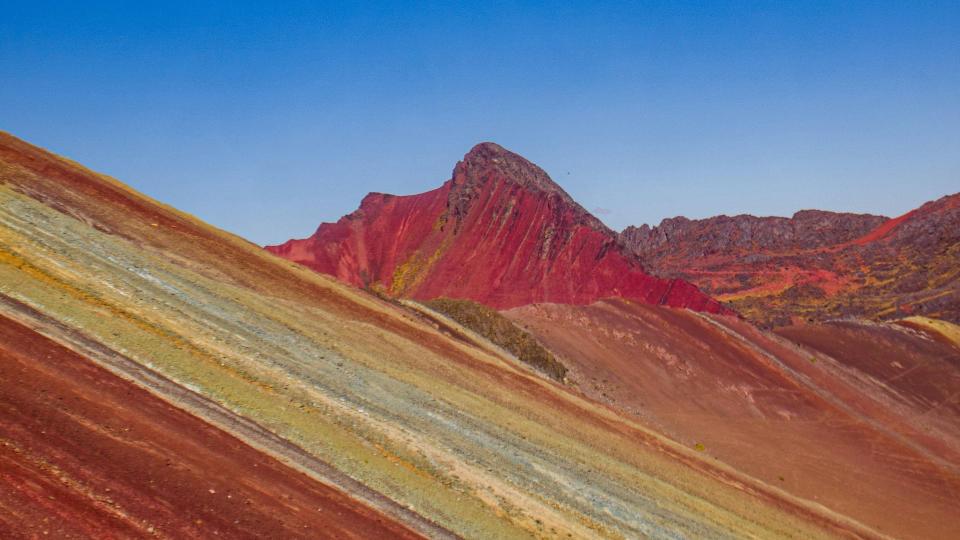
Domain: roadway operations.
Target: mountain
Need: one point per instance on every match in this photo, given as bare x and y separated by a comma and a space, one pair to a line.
161, 377
523, 239
816, 265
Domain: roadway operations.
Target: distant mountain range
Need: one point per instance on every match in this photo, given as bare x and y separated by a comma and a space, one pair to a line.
816, 265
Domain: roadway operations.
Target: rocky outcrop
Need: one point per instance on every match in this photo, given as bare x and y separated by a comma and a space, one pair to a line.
807, 229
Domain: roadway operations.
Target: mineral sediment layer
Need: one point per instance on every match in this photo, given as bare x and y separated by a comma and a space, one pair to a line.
87, 454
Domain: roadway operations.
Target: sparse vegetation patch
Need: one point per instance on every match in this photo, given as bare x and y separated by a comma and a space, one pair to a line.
501, 331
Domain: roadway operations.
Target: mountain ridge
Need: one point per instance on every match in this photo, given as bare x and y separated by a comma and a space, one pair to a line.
759, 231
816, 265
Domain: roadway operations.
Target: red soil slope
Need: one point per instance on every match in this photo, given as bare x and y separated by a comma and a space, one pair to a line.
865, 421
499, 232
85, 454
816, 265
882, 230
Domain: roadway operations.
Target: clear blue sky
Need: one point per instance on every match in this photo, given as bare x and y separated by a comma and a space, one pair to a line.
267, 120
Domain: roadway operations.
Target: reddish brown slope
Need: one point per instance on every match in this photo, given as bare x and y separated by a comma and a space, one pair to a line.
816, 265
86, 454
873, 435
499, 232
923, 373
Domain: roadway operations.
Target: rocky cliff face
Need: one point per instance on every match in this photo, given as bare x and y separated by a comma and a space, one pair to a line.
499, 232
815, 265
768, 405
807, 229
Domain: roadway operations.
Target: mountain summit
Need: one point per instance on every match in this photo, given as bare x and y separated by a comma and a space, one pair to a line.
500, 232
489, 161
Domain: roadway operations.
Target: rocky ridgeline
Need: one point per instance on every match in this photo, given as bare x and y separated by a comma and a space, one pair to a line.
817, 264
807, 229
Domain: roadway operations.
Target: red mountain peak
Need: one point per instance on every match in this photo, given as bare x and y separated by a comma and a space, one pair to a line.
500, 232
489, 162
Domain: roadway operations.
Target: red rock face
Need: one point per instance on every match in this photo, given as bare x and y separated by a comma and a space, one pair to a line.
499, 232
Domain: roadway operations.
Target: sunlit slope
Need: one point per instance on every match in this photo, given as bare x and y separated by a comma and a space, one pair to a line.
87, 454
949, 331
863, 418
464, 438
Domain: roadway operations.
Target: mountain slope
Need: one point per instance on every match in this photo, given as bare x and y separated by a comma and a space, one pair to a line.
441, 436
816, 265
521, 236
862, 417
110, 460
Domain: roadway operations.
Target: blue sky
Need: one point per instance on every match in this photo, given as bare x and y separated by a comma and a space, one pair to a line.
266, 120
